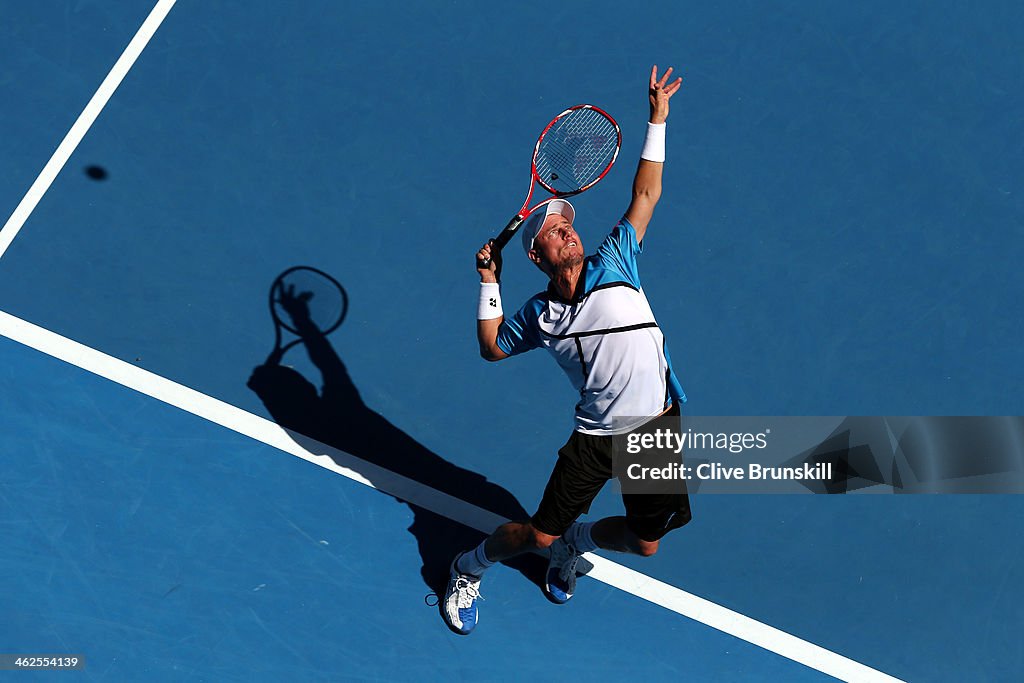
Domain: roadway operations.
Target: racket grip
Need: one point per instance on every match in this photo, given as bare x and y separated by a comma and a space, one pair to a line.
502, 239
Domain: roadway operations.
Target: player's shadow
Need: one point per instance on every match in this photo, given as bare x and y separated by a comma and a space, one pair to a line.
337, 416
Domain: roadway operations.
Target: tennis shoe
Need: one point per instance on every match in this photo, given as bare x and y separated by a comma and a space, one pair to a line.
458, 608
564, 564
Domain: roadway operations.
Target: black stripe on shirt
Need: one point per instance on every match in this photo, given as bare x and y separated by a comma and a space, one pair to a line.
583, 360
617, 283
591, 333
553, 295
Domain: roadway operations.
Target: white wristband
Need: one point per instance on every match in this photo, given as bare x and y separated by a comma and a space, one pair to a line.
654, 145
490, 301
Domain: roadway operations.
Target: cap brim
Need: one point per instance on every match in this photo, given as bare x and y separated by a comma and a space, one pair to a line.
537, 219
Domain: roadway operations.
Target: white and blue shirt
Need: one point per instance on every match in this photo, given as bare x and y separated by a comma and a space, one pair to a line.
606, 340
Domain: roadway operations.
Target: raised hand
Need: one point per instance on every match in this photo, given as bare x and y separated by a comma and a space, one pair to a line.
296, 305
660, 91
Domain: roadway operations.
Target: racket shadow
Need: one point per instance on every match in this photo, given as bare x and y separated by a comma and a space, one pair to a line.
336, 415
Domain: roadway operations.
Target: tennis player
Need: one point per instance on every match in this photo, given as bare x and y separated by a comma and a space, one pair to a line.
595, 320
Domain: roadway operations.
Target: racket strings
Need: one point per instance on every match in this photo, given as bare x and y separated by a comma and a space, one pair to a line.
577, 150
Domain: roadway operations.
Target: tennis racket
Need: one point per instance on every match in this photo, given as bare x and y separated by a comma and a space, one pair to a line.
572, 154
304, 292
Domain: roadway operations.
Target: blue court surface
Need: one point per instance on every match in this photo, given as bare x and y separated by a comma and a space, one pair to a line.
837, 234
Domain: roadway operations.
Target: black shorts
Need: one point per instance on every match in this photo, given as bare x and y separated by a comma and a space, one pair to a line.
584, 466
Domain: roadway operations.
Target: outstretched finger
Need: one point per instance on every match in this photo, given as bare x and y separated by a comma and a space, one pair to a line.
664, 77
654, 76
674, 87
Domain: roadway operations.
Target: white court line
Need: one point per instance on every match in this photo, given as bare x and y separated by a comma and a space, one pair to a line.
272, 434
82, 125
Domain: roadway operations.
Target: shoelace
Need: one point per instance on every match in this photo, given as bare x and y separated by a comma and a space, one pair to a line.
466, 592
463, 587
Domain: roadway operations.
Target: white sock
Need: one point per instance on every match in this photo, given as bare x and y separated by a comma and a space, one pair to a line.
578, 536
473, 562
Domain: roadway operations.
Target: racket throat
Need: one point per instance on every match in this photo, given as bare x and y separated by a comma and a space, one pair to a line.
513, 226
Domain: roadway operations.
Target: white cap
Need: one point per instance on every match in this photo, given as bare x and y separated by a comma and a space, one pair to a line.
536, 220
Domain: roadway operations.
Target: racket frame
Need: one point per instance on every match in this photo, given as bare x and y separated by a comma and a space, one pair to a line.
280, 324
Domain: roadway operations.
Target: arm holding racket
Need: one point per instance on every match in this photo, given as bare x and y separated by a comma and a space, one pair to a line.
487, 328
647, 183
573, 153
